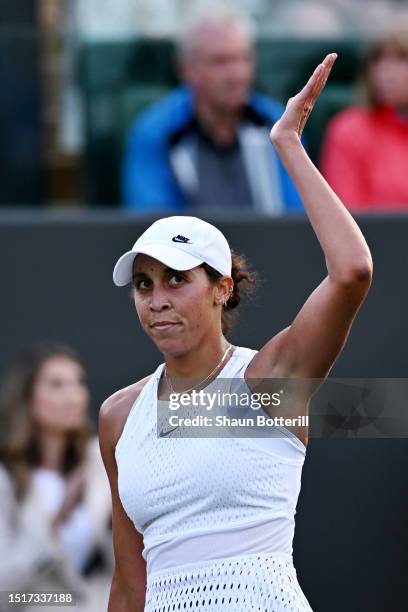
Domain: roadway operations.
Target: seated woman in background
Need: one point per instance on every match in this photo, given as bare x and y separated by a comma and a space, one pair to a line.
365, 153
55, 500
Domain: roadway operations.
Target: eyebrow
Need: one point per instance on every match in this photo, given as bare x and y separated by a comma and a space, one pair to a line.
166, 269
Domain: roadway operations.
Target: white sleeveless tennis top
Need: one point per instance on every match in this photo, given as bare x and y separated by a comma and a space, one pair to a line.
200, 499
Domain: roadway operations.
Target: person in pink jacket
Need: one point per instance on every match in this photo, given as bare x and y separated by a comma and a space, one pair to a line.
365, 152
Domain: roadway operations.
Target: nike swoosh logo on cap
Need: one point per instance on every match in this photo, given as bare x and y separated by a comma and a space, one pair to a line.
180, 238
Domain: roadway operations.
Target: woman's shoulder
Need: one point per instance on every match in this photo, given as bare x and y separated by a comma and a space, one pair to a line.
125, 395
116, 408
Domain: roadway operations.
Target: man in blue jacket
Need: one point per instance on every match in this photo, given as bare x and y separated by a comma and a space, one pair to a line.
206, 145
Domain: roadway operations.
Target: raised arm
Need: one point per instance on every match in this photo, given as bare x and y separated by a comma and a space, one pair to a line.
128, 588
311, 344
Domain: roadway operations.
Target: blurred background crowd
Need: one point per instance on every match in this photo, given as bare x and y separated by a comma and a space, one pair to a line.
79, 78
152, 106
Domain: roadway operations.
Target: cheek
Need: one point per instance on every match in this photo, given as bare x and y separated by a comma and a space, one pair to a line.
84, 398
403, 75
212, 77
43, 401
73, 414
141, 309
247, 74
393, 73
198, 310
43, 407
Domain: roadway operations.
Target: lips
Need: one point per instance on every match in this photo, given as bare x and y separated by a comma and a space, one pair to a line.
163, 324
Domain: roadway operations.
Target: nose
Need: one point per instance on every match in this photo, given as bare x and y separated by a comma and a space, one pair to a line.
75, 393
159, 300
240, 68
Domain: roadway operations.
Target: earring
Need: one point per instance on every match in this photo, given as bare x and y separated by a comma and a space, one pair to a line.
225, 301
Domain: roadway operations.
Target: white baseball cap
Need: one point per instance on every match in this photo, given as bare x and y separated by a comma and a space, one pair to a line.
181, 243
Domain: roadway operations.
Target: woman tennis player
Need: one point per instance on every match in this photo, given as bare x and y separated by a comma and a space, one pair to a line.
207, 524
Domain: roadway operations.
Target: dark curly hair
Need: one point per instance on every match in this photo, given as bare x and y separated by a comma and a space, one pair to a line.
244, 284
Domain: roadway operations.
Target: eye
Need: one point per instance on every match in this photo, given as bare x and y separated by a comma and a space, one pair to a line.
176, 279
55, 383
141, 284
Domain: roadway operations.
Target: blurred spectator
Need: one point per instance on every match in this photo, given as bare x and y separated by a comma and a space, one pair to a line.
55, 501
206, 145
365, 153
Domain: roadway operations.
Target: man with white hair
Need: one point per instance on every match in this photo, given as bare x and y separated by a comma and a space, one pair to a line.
206, 145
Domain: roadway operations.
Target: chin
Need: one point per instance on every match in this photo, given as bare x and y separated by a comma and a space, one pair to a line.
236, 99
234, 104
172, 347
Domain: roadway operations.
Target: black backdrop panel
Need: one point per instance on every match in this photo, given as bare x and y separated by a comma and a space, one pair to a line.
351, 537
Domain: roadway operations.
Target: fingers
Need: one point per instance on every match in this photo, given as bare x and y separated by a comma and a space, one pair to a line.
310, 93
299, 107
326, 65
317, 81
325, 69
330, 59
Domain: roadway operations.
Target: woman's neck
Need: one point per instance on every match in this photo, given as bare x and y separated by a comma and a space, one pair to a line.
199, 362
52, 450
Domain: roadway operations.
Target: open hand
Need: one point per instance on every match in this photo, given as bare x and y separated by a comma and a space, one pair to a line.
300, 106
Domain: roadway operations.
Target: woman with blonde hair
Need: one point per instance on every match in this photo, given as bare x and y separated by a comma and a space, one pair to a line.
55, 506
365, 152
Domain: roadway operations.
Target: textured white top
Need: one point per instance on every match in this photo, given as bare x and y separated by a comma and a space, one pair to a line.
197, 499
